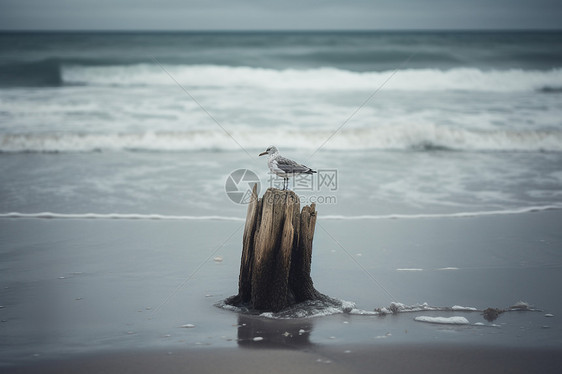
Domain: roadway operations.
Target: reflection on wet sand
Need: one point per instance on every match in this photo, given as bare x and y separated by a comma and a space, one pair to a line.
257, 332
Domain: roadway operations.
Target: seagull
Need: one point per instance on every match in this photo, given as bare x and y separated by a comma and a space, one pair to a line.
284, 167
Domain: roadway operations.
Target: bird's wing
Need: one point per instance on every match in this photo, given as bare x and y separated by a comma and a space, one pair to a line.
290, 166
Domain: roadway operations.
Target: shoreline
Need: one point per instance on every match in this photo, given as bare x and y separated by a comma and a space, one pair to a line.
114, 295
365, 217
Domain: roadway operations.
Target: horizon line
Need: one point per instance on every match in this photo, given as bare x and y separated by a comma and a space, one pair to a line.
428, 30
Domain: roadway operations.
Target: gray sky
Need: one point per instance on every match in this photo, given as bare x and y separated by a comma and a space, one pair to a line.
278, 14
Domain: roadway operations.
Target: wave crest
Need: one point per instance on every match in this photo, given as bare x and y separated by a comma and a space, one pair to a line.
313, 79
397, 137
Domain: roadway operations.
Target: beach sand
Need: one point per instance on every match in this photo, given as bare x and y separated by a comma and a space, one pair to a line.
393, 359
140, 296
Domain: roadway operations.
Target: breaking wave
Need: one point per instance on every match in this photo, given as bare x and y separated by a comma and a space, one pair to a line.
54, 72
402, 137
327, 78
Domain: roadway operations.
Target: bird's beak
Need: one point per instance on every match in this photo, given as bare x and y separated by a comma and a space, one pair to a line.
263, 153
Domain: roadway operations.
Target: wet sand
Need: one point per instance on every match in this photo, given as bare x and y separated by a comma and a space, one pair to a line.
393, 359
140, 296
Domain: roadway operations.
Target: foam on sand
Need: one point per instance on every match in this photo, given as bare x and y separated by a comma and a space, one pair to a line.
307, 309
463, 308
456, 320
329, 306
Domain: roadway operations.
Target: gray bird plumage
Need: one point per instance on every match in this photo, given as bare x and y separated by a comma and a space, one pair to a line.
283, 166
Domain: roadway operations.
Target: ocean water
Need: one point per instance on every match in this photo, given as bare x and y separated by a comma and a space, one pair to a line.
399, 123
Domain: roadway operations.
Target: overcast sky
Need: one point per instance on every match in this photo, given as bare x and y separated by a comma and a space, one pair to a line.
278, 14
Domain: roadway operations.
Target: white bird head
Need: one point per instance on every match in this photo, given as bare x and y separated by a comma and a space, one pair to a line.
271, 150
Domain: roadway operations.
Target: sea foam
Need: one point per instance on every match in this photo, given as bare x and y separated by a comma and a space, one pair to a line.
313, 79
456, 320
139, 216
381, 137
120, 216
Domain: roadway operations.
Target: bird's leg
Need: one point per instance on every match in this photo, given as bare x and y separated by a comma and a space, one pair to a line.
285, 183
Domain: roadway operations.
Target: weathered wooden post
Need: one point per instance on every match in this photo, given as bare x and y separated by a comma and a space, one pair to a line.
276, 253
